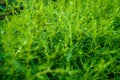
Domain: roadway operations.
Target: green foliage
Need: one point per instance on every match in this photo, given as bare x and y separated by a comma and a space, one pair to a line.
61, 40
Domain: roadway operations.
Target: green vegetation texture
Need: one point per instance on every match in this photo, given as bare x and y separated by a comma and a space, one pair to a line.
61, 40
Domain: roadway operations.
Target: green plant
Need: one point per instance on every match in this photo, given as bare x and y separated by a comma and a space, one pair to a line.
62, 39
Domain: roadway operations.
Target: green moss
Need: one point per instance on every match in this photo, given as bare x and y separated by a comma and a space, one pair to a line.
64, 40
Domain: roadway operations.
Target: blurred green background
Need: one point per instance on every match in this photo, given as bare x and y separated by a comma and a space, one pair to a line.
60, 40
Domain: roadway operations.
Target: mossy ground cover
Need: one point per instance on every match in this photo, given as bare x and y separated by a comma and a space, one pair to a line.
61, 40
